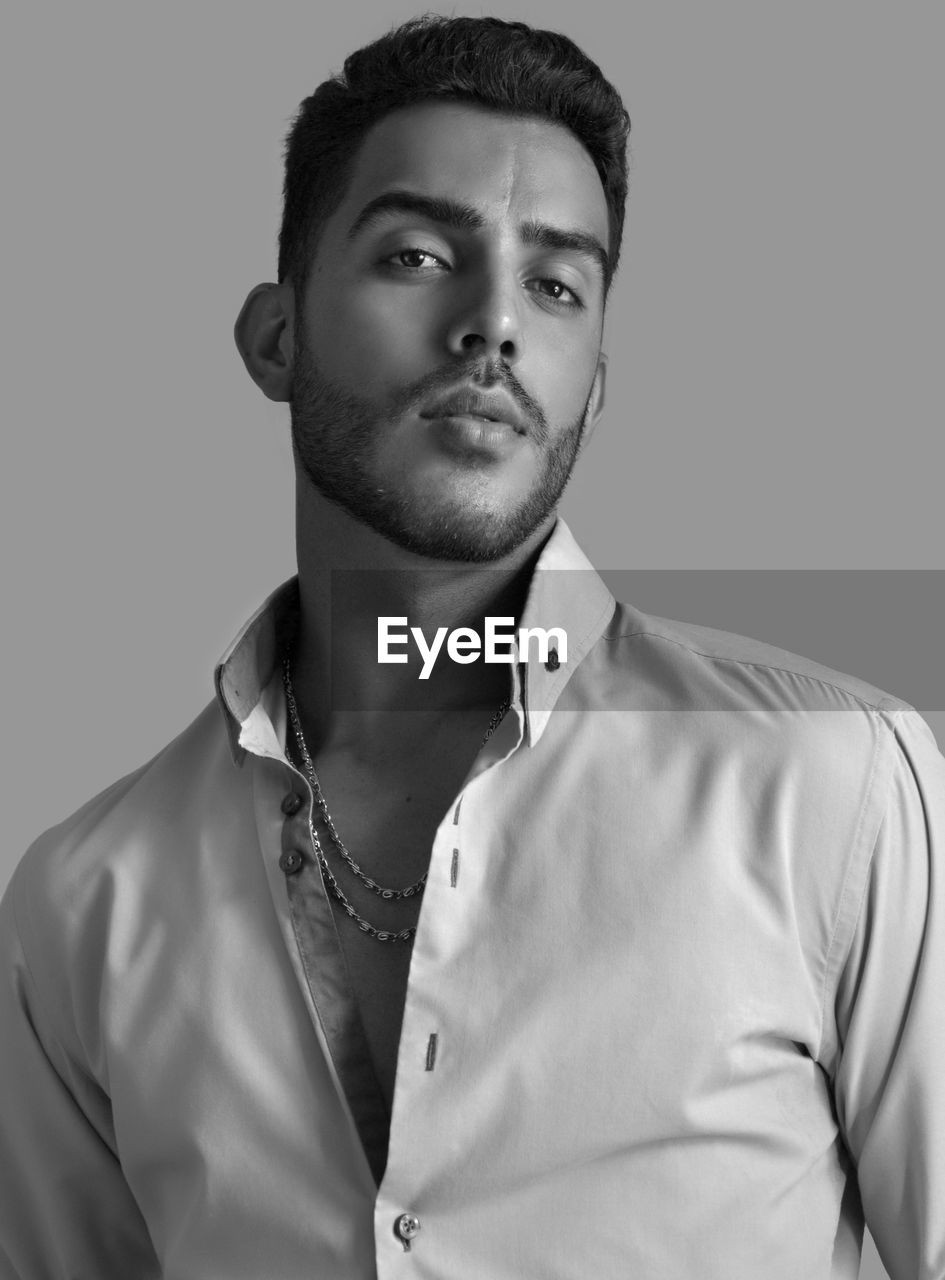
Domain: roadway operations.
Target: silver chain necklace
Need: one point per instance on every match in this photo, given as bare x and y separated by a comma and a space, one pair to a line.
391, 895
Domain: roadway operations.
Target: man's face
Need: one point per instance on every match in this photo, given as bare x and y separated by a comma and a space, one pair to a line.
448, 342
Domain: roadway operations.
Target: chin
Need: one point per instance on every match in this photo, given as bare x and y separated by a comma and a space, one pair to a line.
481, 536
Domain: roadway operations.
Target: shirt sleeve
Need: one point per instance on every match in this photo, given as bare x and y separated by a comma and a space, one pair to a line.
65, 1207
890, 1082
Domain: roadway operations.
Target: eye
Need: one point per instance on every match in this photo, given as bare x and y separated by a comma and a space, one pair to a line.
556, 291
414, 259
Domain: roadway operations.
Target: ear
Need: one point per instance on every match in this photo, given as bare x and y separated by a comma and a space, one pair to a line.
264, 333
595, 404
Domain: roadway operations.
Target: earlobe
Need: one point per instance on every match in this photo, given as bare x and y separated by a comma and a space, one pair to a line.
264, 333
595, 403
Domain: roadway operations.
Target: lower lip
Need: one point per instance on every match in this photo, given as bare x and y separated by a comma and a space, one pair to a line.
477, 433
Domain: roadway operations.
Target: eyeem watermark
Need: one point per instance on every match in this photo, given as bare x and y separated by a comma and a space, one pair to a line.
465, 645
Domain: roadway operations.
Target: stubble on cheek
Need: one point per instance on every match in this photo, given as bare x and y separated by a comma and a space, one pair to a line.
347, 447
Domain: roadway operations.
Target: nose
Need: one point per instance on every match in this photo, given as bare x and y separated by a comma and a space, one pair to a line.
487, 321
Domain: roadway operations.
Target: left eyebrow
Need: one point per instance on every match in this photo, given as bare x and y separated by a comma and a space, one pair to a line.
567, 241
464, 217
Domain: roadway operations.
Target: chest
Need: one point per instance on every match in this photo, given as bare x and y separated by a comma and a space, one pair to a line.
385, 824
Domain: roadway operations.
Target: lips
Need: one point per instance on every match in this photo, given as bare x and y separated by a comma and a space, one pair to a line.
493, 406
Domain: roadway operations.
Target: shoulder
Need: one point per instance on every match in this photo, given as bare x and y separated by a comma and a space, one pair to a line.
113, 843
720, 668
780, 721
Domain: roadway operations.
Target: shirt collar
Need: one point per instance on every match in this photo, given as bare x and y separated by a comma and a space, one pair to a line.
565, 592
247, 667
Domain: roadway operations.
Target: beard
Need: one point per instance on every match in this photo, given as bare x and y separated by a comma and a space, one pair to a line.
336, 438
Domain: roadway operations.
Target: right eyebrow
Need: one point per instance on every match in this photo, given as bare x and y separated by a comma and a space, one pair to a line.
449, 213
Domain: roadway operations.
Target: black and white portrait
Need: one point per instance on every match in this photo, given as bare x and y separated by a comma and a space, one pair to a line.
474, 551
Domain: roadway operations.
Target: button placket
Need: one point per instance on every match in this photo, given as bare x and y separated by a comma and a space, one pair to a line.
292, 859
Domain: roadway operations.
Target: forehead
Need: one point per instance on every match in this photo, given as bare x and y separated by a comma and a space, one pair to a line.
506, 166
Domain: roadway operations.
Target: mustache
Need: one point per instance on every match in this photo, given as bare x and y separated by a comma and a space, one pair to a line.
485, 374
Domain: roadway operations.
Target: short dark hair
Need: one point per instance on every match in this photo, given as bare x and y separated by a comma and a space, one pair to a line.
506, 66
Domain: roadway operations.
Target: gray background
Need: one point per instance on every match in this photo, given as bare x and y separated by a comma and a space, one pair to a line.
776, 339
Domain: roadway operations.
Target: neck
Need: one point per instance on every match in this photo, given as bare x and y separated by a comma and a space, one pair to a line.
349, 576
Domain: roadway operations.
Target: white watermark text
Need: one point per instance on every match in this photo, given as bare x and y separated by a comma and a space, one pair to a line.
464, 644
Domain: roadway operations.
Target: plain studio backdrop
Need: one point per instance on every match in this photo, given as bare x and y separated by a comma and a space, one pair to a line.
775, 338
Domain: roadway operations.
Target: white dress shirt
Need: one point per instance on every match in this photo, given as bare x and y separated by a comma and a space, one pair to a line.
676, 1004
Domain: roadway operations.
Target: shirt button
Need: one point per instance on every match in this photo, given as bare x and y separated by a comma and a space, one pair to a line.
407, 1226
553, 662
291, 803
291, 862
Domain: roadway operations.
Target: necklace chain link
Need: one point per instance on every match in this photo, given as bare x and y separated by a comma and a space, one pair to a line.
390, 895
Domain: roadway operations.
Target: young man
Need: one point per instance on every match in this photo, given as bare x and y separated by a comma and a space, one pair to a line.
622, 957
